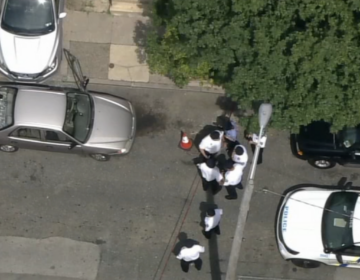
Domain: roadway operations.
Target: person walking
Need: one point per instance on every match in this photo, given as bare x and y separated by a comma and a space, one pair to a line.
212, 222
190, 253
253, 140
239, 155
211, 175
211, 144
232, 178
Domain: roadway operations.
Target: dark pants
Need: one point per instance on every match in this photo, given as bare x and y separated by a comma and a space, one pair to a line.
212, 185
185, 265
232, 189
201, 158
260, 158
215, 230
230, 146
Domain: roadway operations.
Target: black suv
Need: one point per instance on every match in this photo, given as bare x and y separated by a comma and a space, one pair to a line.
323, 149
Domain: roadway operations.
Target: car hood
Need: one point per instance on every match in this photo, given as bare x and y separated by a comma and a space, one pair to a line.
113, 120
301, 223
28, 55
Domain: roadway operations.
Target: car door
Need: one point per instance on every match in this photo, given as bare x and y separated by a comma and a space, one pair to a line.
346, 258
352, 158
27, 138
57, 141
74, 64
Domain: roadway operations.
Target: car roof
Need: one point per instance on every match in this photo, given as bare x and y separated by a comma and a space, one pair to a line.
40, 108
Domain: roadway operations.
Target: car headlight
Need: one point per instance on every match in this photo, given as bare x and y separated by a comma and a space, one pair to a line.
53, 64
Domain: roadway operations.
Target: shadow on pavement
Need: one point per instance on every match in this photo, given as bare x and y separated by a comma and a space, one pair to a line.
212, 242
183, 240
140, 36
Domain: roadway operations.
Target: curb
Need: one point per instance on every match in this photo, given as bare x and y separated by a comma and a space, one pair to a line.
94, 81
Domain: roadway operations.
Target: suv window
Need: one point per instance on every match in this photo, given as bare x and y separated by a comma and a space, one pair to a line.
7, 104
337, 220
29, 133
349, 137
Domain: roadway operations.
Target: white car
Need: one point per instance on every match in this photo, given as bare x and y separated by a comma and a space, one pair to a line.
320, 225
30, 39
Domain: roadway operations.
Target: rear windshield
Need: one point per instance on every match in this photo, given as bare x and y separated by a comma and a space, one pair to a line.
7, 103
338, 219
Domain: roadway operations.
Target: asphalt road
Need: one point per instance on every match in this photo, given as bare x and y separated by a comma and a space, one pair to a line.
134, 207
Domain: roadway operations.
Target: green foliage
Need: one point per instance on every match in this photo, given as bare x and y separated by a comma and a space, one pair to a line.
302, 56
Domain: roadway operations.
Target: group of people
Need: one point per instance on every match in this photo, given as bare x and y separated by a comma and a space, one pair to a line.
215, 175
228, 173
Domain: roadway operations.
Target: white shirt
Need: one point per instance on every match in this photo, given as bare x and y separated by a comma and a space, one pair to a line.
211, 146
210, 174
190, 254
243, 159
263, 139
233, 177
211, 222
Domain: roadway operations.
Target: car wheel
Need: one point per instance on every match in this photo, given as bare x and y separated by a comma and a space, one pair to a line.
322, 163
8, 148
305, 263
100, 157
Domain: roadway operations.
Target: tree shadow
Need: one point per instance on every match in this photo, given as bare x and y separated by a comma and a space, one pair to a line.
144, 27
183, 240
231, 107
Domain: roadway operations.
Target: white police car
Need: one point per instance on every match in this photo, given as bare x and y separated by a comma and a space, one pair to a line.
320, 225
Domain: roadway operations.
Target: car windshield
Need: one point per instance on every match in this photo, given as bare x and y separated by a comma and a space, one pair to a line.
78, 118
7, 103
337, 220
349, 136
28, 17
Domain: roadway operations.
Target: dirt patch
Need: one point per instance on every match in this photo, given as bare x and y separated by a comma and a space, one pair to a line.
99, 6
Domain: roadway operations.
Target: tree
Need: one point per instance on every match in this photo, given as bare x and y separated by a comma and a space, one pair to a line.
302, 56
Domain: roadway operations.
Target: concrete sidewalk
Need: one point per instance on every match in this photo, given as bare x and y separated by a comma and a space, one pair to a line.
111, 48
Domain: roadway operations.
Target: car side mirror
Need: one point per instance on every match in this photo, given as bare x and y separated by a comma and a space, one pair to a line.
72, 145
339, 258
62, 15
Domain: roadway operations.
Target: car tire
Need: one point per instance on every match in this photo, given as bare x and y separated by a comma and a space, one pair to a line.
100, 157
8, 148
322, 163
305, 263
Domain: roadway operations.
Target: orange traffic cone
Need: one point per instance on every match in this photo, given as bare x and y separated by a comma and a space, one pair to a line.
185, 142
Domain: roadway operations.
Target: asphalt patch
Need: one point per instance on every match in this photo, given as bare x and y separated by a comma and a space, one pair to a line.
149, 121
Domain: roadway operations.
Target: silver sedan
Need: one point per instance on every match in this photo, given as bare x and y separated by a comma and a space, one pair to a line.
69, 121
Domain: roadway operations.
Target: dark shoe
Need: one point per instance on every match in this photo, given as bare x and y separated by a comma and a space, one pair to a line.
229, 197
217, 230
206, 234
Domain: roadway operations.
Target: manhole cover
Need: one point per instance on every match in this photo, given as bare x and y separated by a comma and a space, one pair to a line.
111, 65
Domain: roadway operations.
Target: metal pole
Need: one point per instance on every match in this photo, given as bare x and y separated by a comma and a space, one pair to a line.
243, 212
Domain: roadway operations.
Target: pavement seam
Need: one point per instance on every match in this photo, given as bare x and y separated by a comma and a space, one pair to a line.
177, 229
242, 277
